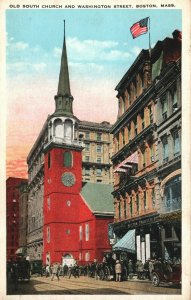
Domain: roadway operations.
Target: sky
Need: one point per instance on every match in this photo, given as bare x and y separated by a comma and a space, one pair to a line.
100, 50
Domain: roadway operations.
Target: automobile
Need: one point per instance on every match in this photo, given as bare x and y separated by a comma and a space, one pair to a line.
172, 276
36, 267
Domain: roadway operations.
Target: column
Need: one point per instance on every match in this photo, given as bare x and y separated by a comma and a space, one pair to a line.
147, 246
134, 203
143, 252
138, 244
128, 205
122, 207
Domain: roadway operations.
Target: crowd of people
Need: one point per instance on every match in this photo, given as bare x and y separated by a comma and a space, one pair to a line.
131, 269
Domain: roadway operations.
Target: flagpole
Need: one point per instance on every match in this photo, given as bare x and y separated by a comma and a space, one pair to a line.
149, 37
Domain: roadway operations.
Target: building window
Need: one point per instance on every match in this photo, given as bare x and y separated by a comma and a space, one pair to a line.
172, 194
68, 203
49, 160
135, 126
123, 136
176, 138
99, 159
48, 234
87, 171
145, 200
67, 159
80, 233
98, 171
87, 135
165, 149
153, 197
142, 119
174, 99
164, 108
125, 209
144, 158
87, 232
87, 158
98, 136
129, 132
152, 157
150, 114
87, 147
137, 202
48, 203
116, 140
119, 207
87, 256
99, 148
131, 206
99, 180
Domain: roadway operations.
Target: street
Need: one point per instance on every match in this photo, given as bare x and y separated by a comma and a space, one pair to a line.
88, 286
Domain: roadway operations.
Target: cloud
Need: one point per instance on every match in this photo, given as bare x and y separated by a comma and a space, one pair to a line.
92, 50
136, 50
24, 66
39, 67
16, 46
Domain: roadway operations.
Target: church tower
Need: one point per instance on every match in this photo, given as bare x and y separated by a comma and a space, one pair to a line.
62, 173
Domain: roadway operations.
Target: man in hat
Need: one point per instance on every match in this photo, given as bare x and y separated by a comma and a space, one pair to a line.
118, 270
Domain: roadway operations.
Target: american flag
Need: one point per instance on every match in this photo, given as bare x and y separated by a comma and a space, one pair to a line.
139, 28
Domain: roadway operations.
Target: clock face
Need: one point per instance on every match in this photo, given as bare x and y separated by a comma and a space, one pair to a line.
68, 179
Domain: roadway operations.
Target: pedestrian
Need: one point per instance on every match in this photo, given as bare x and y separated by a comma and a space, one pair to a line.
76, 270
55, 271
65, 270
137, 269
70, 271
47, 270
146, 270
130, 269
118, 270
141, 269
151, 268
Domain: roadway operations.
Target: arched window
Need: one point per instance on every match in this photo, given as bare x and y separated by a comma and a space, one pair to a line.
67, 159
58, 129
172, 194
68, 130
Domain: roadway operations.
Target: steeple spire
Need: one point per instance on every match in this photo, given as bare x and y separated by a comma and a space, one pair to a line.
64, 98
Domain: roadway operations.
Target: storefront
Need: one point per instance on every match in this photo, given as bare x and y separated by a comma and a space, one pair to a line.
139, 238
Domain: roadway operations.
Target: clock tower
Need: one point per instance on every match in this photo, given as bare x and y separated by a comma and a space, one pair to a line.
62, 173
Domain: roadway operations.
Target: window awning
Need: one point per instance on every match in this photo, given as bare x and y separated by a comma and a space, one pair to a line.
20, 250
127, 163
127, 243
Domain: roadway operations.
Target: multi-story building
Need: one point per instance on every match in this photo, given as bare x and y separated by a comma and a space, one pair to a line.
67, 217
145, 168
23, 216
97, 152
167, 84
12, 214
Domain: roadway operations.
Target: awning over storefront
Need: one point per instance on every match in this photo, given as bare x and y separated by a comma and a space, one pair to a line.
127, 243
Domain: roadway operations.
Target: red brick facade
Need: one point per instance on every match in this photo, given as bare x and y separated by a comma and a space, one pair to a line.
12, 213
